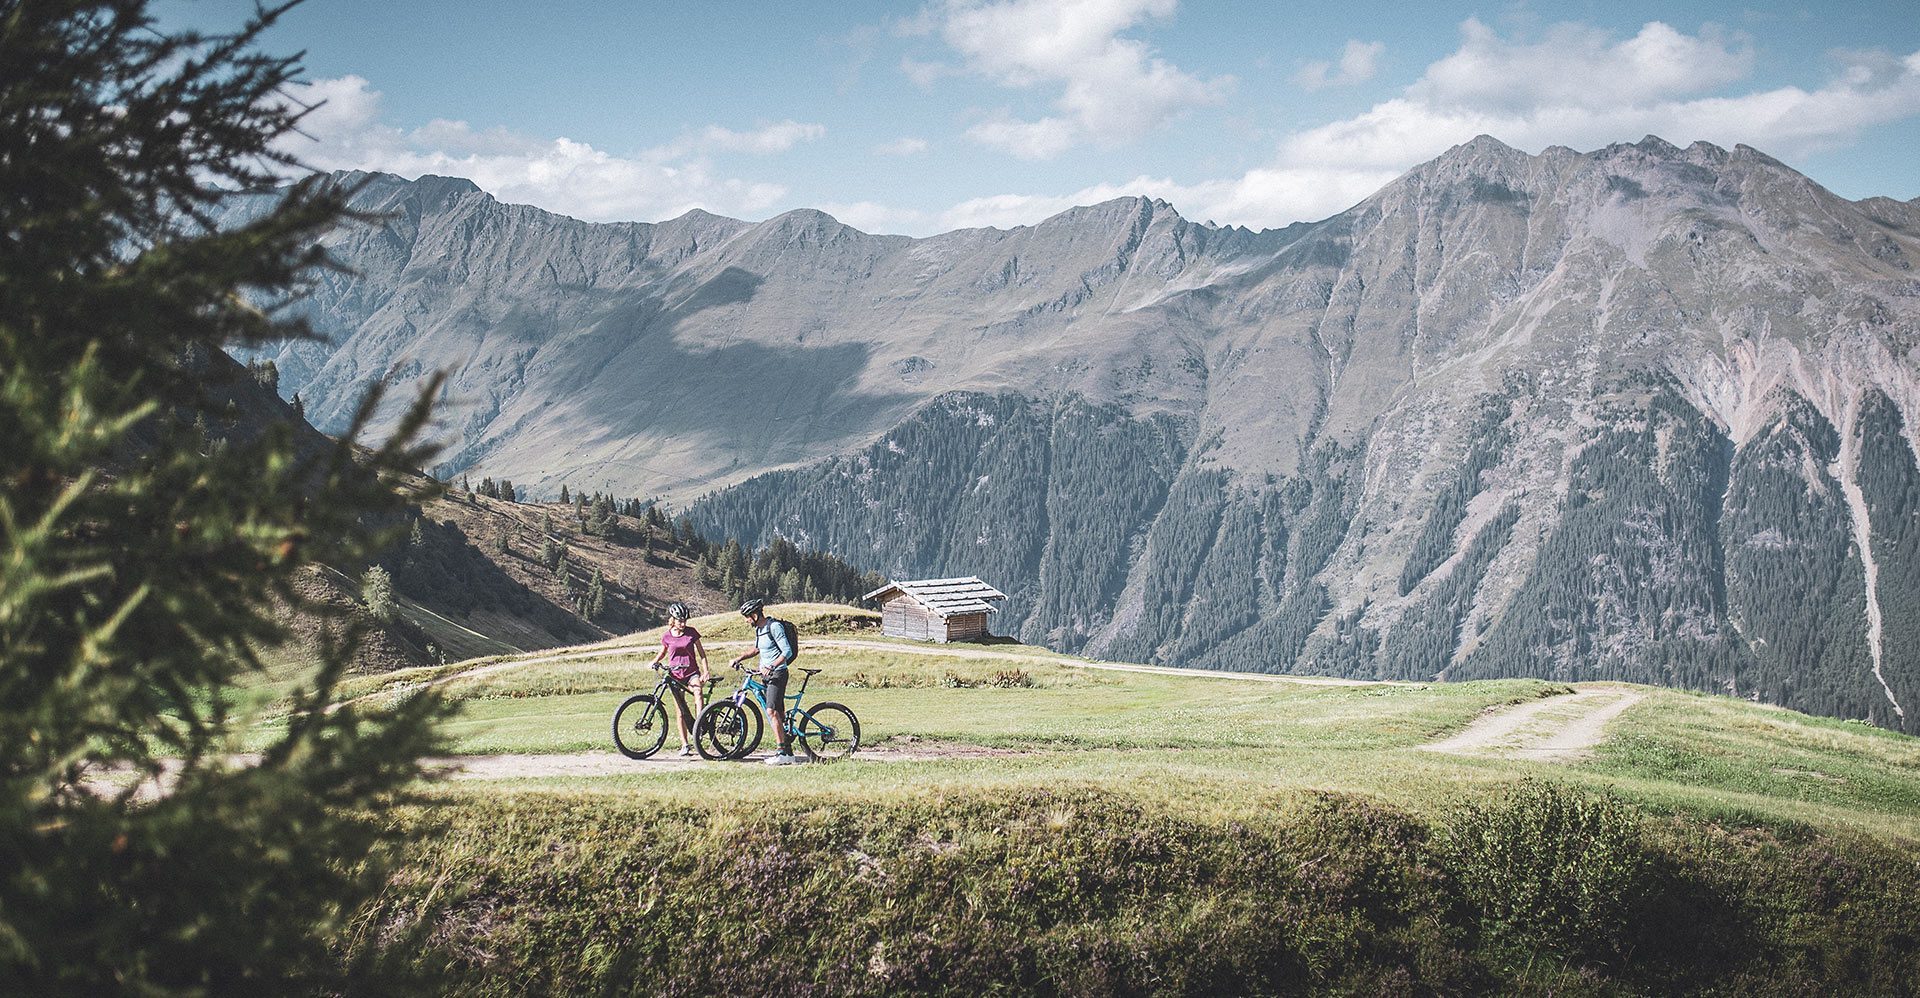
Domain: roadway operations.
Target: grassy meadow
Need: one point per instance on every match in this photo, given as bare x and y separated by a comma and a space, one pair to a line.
1023, 821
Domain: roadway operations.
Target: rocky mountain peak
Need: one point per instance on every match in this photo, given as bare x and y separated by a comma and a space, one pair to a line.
1435, 434
1131, 210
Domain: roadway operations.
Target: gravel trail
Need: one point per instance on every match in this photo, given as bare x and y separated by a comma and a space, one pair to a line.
610, 763
1557, 729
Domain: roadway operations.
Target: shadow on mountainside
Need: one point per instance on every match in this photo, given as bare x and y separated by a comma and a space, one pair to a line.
636, 385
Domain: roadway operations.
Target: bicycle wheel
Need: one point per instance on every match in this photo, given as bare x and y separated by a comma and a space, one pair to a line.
639, 726
828, 731
756, 728
724, 730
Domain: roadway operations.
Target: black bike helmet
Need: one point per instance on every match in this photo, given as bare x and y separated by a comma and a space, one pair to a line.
677, 611
751, 607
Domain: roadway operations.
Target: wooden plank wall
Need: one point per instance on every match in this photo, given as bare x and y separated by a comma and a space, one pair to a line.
901, 617
966, 627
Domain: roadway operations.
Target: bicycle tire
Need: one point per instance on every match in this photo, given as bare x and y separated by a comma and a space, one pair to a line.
826, 736
722, 730
757, 721
644, 729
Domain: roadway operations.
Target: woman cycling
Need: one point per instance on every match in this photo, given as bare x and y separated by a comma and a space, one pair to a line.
686, 658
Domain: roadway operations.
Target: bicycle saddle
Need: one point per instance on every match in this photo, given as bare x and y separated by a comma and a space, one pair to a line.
810, 671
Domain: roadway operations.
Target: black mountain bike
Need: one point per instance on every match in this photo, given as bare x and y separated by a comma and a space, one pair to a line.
640, 723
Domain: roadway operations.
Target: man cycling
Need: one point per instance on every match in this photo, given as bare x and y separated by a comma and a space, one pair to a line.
776, 652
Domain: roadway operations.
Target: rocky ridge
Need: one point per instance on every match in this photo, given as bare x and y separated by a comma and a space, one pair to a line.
1644, 413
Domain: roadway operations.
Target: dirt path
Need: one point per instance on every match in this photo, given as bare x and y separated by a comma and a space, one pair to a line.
849, 644
1556, 729
610, 763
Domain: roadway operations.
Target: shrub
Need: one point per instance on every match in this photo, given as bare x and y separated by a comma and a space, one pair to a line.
1556, 868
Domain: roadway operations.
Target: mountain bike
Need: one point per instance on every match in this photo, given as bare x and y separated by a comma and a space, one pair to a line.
731, 727
641, 722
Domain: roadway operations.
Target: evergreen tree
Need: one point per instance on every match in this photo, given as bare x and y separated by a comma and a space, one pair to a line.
503, 543
376, 591
596, 596
139, 571
549, 552
600, 519
299, 407
564, 498
415, 537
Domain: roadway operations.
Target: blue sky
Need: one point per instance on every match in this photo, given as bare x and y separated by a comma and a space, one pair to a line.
900, 117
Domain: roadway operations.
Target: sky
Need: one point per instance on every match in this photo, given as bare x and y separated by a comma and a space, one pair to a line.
919, 118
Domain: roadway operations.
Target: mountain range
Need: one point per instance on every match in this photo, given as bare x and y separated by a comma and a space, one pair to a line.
1642, 413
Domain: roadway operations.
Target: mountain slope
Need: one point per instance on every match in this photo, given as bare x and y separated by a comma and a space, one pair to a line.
1643, 413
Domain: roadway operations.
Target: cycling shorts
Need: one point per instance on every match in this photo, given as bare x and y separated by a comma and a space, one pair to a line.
776, 689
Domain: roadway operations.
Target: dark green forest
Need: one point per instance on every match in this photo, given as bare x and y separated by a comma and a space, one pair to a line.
1891, 484
1795, 583
1045, 501
1673, 559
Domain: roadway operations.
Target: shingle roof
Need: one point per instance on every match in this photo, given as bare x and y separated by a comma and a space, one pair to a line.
946, 597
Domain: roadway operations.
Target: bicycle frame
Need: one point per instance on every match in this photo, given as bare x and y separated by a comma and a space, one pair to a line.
667, 682
751, 684
818, 729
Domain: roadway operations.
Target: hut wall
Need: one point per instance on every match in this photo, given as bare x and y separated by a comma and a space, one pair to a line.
966, 627
901, 617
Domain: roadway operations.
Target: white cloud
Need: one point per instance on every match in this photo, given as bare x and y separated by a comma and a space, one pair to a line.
925, 74
1575, 65
766, 140
1575, 86
1358, 62
1111, 89
904, 146
347, 132
872, 216
1568, 85
1263, 198
1579, 89
1042, 139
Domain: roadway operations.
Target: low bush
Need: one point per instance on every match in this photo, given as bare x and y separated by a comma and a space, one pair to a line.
1083, 891
1557, 869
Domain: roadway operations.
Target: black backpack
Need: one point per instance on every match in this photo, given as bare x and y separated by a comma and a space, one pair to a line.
793, 636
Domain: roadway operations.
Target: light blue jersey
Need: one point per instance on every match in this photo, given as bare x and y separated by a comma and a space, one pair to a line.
774, 644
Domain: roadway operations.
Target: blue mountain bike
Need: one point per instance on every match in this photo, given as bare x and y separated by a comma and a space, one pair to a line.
731, 727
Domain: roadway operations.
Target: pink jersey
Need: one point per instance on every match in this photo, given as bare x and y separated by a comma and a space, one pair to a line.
680, 649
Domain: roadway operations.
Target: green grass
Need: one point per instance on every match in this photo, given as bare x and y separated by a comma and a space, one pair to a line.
1675, 752
1094, 831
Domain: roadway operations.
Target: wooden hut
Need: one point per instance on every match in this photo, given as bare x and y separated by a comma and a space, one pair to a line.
940, 610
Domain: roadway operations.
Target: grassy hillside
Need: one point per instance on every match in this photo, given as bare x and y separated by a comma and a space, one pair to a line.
475, 576
1046, 823
511, 596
